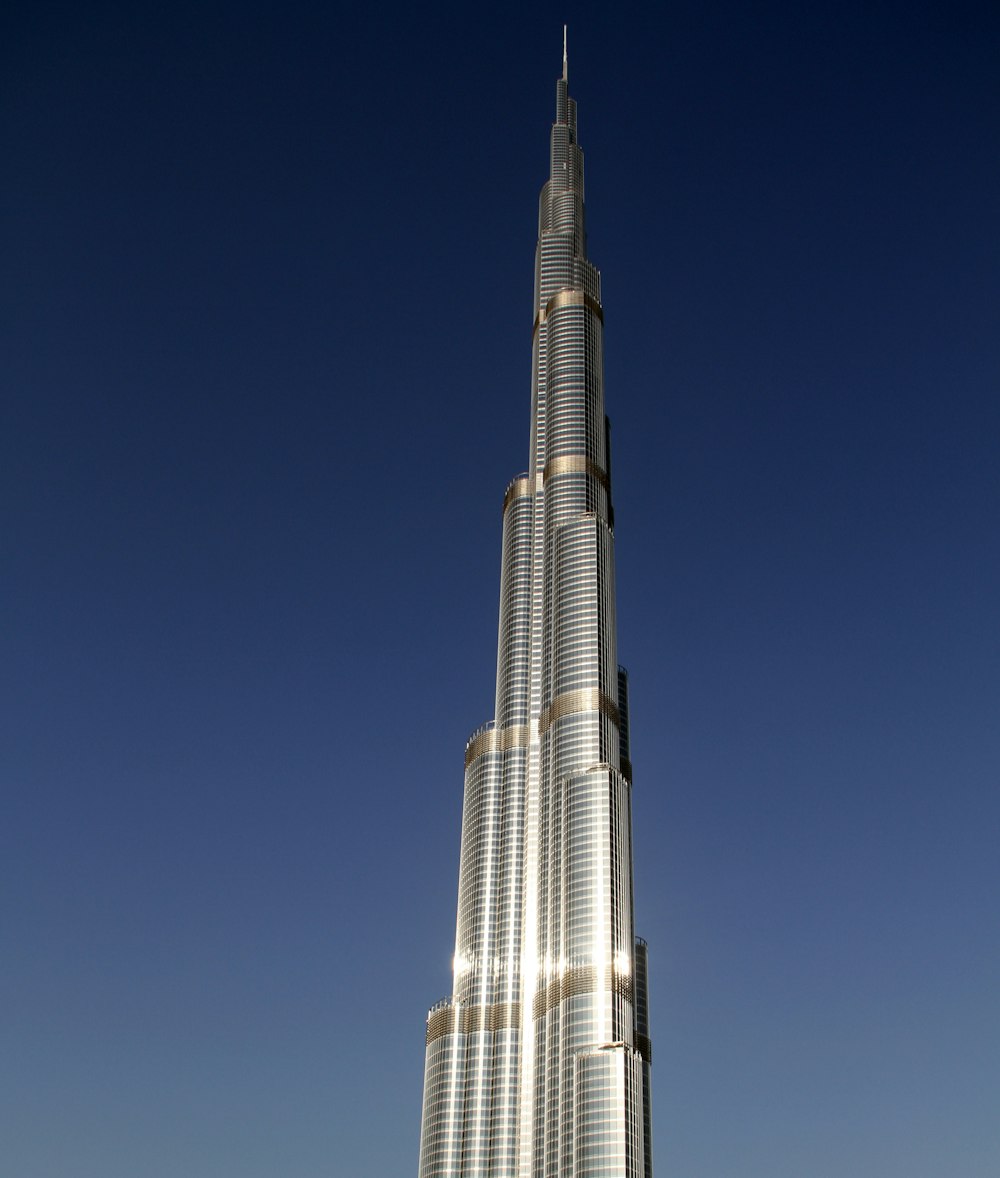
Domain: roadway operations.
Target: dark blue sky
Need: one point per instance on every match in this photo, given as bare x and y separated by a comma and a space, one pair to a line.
265, 364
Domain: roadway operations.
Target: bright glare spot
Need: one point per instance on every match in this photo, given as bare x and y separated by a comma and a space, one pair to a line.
622, 963
462, 964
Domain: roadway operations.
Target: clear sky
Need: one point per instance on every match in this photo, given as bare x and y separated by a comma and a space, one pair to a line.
266, 318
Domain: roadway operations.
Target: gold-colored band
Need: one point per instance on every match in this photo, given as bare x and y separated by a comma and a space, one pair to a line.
579, 980
590, 699
456, 1019
518, 489
568, 298
576, 464
440, 1023
574, 298
496, 740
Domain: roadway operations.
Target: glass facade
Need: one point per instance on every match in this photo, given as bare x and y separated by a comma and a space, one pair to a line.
538, 1062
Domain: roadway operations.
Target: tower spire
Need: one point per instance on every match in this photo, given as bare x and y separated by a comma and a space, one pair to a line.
565, 76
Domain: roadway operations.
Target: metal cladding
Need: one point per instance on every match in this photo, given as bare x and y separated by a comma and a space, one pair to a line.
538, 1063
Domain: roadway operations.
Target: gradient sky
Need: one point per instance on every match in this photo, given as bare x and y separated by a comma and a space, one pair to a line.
266, 330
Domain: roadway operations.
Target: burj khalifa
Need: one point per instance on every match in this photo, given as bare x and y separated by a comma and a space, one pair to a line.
538, 1063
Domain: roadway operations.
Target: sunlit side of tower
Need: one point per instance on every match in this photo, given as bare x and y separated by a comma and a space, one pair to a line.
538, 1063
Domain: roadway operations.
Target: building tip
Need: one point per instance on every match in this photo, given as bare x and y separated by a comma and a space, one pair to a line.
565, 61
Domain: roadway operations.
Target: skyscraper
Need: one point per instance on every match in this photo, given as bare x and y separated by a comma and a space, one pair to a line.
538, 1063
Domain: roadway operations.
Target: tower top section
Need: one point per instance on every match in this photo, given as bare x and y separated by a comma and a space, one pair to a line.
565, 76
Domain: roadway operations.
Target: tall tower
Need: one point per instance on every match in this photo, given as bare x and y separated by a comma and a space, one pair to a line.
538, 1063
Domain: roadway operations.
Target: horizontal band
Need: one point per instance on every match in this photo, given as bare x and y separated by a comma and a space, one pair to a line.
569, 298
457, 1019
518, 489
496, 740
590, 699
574, 298
581, 979
576, 464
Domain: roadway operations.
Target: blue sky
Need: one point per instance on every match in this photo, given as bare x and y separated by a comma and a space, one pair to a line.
266, 342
